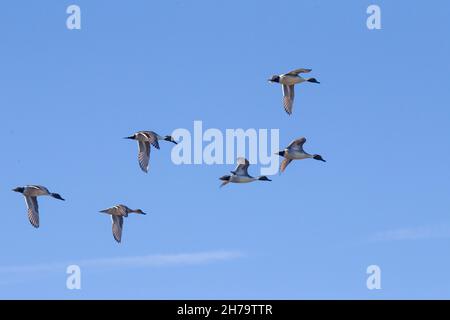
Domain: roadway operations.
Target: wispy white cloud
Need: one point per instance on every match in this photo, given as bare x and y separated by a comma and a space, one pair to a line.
155, 260
413, 233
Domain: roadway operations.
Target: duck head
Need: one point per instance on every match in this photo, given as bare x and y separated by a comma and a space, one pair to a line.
57, 196
170, 139
313, 80
318, 157
275, 79
281, 153
139, 211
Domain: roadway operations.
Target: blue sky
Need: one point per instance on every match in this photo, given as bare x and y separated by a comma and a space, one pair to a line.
380, 117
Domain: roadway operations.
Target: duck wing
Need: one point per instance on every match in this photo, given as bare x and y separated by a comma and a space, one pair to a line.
288, 98
152, 137
242, 167
144, 155
33, 210
296, 72
117, 225
284, 164
224, 183
297, 144
122, 210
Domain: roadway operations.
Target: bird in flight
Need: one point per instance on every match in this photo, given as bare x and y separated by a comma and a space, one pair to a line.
145, 139
294, 151
117, 214
288, 81
31, 193
240, 174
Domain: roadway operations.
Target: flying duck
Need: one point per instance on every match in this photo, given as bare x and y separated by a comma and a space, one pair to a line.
240, 174
288, 81
31, 193
145, 139
117, 213
294, 151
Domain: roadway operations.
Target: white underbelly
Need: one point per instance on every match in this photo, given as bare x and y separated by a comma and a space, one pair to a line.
35, 192
289, 80
241, 179
298, 156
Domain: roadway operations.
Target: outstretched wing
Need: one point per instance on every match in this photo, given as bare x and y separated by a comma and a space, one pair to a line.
288, 98
297, 144
298, 71
284, 164
33, 211
152, 137
242, 167
122, 210
117, 224
144, 155
224, 183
